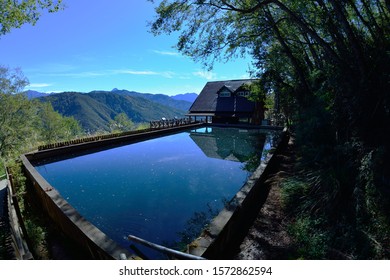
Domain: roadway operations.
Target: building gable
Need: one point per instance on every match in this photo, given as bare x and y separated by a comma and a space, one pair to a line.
214, 98
224, 92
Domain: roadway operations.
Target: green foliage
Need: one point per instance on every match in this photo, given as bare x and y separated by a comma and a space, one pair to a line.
35, 231
12, 80
142, 126
121, 123
17, 114
18, 180
24, 123
95, 110
13, 14
2, 167
294, 192
311, 241
328, 64
54, 127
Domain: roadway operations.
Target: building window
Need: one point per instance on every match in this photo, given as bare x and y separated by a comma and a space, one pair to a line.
243, 93
225, 93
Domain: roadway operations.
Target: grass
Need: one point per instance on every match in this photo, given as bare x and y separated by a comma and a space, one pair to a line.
2, 169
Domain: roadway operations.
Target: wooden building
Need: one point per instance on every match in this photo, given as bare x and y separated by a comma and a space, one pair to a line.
225, 102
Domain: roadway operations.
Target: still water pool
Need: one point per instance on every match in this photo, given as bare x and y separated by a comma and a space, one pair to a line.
164, 190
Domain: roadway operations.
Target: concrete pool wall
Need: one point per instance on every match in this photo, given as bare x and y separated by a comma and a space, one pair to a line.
98, 244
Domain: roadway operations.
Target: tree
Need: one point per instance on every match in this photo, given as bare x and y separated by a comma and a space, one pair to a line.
310, 45
13, 14
16, 113
17, 116
12, 80
328, 62
23, 122
121, 123
53, 126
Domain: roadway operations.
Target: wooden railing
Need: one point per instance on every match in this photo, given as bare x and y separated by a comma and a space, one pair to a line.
90, 139
165, 123
154, 125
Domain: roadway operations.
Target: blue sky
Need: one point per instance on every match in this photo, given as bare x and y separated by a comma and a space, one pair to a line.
105, 44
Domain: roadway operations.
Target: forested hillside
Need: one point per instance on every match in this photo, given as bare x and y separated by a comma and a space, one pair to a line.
95, 110
170, 101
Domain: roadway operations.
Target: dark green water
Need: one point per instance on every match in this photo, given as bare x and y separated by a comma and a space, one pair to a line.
163, 190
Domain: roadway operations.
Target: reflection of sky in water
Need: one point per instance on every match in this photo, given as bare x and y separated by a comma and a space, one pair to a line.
151, 189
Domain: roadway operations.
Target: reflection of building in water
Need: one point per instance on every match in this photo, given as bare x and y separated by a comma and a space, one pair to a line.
229, 144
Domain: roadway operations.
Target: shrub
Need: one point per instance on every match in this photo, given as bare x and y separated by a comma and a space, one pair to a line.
311, 241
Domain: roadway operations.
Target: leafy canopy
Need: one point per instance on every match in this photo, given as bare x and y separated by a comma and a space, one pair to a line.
327, 64
15, 13
25, 123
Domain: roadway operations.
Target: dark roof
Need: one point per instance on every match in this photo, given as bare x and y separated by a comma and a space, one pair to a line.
208, 100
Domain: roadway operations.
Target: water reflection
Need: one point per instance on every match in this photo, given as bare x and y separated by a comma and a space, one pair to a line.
195, 225
164, 190
229, 144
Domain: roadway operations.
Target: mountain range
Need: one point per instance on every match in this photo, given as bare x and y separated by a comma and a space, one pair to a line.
95, 110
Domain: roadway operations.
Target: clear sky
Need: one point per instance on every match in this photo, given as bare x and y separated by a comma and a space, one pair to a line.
105, 44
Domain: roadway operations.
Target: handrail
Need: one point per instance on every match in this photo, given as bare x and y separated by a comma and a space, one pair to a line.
165, 250
154, 125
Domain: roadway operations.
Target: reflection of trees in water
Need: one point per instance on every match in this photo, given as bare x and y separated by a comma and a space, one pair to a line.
246, 150
253, 161
195, 225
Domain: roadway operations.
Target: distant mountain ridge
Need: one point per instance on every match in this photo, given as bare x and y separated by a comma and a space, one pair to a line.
95, 109
30, 94
158, 98
190, 97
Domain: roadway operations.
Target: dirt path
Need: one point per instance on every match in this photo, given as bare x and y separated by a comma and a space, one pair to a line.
268, 238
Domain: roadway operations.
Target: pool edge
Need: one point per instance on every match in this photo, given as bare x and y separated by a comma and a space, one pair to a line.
98, 244
92, 240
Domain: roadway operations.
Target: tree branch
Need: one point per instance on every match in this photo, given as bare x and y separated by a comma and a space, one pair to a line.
327, 48
229, 7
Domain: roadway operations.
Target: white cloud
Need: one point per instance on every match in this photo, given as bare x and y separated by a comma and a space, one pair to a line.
39, 85
205, 74
87, 74
99, 73
166, 53
165, 74
135, 72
